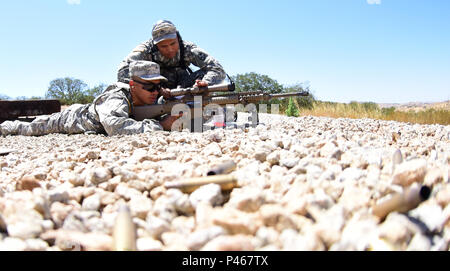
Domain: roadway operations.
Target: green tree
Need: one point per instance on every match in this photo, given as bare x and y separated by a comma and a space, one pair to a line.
257, 82
22, 98
4, 97
253, 82
291, 110
388, 111
354, 105
94, 92
370, 106
68, 90
306, 102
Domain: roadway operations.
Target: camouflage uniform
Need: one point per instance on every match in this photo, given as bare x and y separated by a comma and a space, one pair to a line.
174, 69
108, 114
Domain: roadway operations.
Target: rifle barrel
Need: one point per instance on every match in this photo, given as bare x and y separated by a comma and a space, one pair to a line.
289, 94
239, 93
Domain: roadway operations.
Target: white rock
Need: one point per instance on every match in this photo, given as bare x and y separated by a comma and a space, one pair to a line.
276, 216
354, 198
148, 244
183, 224
267, 236
431, 215
289, 162
76, 241
100, 175
313, 173
36, 245
374, 157
433, 177
237, 242
330, 150
273, 158
59, 212
292, 241
180, 201
74, 222
12, 244
261, 154
410, 172
246, 199
212, 149
357, 235
398, 230
173, 241
140, 206
210, 193
58, 194
91, 203
419, 243
330, 225
232, 220
25, 224
157, 226
127, 192
320, 199
199, 238
351, 174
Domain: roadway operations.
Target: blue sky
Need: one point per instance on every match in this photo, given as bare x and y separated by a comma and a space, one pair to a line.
348, 50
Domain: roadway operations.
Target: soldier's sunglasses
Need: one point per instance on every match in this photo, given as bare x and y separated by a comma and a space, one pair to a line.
151, 87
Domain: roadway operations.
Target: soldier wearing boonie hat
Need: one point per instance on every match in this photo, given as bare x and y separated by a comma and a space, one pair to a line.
110, 113
174, 55
146, 70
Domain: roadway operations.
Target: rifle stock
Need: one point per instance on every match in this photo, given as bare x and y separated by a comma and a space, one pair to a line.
152, 111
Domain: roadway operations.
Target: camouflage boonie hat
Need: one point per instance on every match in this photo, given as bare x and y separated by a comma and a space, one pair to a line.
145, 70
163, 30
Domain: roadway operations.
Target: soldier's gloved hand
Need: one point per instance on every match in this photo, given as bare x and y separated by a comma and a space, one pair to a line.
200, 83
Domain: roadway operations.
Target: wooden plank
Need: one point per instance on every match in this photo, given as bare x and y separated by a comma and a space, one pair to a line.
10, 110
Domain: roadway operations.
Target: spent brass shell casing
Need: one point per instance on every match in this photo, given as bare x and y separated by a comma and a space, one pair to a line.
223, 168
124, 234
402, 202
226, 182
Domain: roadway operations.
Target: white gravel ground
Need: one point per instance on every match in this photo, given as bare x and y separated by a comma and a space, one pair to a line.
306, 183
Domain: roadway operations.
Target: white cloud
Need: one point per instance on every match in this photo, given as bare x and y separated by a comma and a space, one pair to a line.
374, 2
73, 2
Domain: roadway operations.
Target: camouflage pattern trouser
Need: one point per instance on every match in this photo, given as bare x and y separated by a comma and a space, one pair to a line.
73, 120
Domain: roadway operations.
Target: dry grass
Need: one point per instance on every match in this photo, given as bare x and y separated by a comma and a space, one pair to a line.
371, 110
